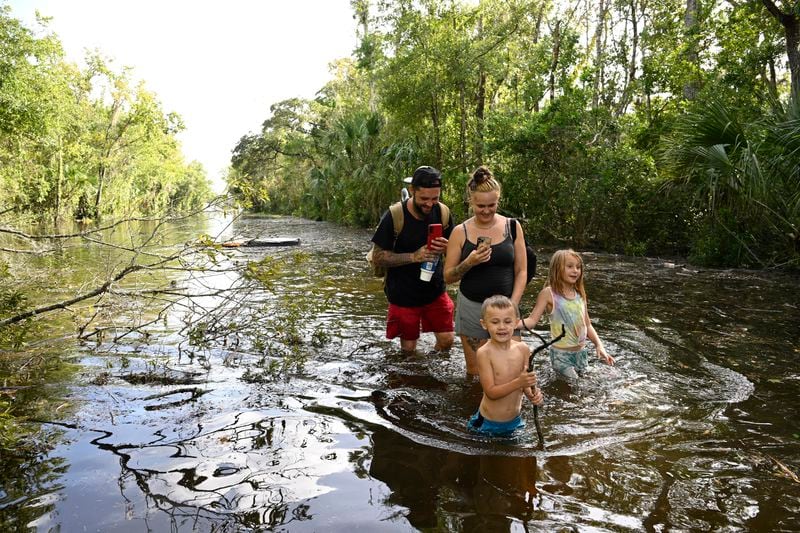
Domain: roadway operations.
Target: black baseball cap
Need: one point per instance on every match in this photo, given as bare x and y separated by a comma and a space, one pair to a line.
427, 177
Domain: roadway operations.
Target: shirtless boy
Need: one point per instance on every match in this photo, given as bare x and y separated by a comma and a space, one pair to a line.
502, 371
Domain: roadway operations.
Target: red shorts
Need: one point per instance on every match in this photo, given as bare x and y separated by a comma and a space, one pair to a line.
404, 322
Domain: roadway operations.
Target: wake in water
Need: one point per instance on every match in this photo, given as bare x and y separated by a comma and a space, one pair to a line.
656, 388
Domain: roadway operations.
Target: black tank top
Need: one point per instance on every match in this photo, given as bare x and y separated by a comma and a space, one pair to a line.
493, 277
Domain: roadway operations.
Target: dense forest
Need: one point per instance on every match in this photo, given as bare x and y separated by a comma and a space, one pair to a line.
624, 125
84, 143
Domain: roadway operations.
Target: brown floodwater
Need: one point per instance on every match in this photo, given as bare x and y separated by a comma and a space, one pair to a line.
696, 428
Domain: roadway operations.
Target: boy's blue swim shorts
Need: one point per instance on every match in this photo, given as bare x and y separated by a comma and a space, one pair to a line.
485, 426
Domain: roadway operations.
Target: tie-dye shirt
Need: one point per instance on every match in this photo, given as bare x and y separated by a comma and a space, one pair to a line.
568, 312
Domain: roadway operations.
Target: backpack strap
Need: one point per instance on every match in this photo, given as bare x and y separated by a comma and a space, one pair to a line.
445, 212
513, 228
396, 212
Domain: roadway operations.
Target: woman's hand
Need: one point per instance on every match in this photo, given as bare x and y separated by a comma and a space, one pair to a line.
479, 255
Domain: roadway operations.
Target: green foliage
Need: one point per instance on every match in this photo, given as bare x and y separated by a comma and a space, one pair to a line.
84, 143
12, 301
573, 118
746, 176
275, 322
10, 431
263, 271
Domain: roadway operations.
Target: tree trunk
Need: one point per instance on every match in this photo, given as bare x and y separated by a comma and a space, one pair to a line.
598, 50
630, 74
480, 111
791, 28
437, 139
98, 197
554, 62
102, 170
536, 34
462, 126
59, 180
361, 13
690, 26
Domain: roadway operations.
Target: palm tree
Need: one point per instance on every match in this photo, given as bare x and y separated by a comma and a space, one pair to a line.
745, 173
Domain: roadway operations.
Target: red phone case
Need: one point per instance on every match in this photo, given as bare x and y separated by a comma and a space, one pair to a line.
434, 232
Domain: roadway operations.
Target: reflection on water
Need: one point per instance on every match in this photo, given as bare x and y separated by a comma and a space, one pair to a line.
695, 428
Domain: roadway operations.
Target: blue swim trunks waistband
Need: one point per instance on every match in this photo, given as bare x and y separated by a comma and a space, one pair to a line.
483, 425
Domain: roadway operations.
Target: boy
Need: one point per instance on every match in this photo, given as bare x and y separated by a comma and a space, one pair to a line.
502, 369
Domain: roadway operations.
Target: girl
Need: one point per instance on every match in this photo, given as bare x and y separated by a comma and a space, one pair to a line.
564, 299
485, 258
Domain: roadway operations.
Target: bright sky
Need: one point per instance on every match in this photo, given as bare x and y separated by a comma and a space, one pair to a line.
220, 65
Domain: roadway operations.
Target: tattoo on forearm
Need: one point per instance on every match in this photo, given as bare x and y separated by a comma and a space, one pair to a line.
460, 269
390, 259
474, 343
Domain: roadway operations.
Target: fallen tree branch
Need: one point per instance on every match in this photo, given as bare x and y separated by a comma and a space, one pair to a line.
33, 252
66, 303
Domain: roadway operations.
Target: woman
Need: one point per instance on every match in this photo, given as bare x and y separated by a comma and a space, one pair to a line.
485, 270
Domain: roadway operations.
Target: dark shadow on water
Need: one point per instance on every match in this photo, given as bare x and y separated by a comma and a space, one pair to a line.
486, 492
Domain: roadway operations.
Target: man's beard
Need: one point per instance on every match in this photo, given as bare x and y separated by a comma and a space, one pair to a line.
420, 208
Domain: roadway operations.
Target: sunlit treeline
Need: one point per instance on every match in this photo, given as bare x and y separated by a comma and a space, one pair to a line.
630, 126
84, 142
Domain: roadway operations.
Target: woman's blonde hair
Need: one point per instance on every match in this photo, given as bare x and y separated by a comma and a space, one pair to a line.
482, 180
555, 275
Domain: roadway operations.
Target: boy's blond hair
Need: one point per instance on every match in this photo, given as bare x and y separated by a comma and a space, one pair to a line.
555, 275
498, 301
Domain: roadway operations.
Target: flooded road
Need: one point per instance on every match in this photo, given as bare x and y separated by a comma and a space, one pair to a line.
694, 429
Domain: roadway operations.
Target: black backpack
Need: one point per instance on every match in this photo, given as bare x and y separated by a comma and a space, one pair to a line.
529, 252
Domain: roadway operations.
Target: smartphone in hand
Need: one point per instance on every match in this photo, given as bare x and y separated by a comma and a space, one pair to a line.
484, 242
434, 232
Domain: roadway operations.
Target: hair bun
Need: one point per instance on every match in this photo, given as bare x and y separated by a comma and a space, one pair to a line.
480, 176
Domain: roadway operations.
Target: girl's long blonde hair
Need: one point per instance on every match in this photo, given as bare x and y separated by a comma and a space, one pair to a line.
555, 275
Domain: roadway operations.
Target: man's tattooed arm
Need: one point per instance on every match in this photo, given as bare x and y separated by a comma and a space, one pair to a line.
390, 259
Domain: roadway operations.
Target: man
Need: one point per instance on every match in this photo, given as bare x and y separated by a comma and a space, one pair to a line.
414, 304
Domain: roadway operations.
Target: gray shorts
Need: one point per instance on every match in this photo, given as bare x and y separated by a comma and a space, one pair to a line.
468, 319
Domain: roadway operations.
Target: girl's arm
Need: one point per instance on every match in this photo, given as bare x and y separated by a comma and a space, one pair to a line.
520, 266
592, 336
544, 301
